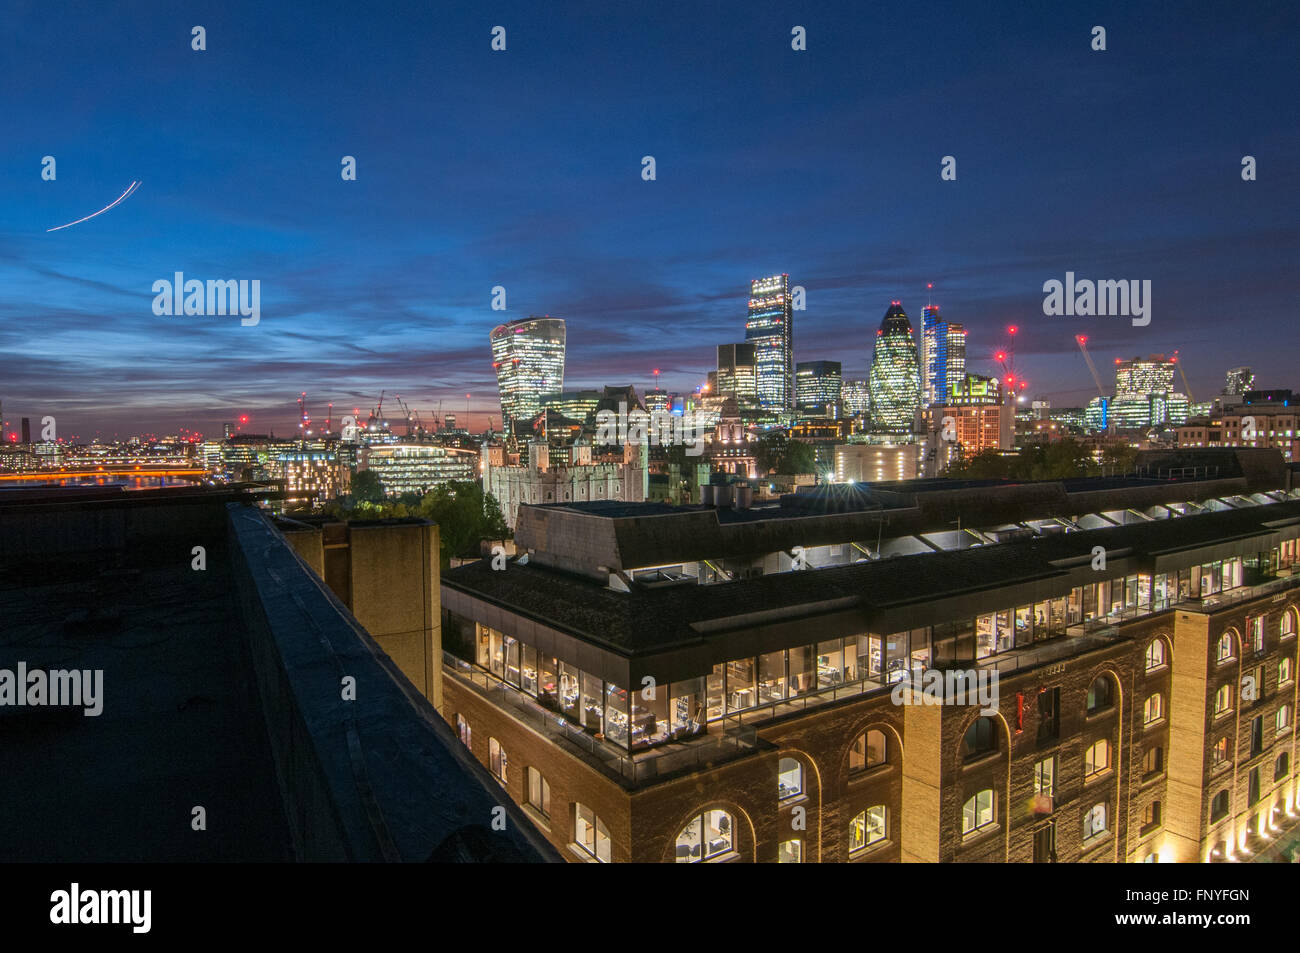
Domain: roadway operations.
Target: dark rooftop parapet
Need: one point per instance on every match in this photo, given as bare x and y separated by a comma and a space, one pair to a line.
380, 778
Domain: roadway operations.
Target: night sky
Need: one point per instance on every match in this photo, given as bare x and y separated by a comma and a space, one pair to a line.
523, 169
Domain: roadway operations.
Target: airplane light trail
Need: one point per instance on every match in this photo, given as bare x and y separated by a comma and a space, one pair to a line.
130, 188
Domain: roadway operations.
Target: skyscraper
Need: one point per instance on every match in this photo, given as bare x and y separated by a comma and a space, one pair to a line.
1239, 380
895, 377
736, 372
934, 357
770, 328
956, 357
528, 355
943, 357
818, 385
856, 397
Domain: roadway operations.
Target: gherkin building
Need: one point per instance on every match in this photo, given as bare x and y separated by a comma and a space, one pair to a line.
895, 378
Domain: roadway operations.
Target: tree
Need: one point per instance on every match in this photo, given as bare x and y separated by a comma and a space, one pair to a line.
465, 515
367, 487
775, 451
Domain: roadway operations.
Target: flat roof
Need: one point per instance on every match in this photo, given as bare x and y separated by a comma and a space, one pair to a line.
652, 618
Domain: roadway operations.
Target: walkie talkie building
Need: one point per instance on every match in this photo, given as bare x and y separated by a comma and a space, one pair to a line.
528, 355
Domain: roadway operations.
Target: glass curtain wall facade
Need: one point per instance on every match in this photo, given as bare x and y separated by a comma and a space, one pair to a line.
528, 356
770, 328
865, 662
895, 377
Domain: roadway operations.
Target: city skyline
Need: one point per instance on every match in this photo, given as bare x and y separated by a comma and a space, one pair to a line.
386, 282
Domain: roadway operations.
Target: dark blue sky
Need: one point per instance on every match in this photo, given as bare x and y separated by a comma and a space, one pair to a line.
522, 169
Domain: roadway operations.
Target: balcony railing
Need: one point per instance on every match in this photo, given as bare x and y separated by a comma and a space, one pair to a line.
721, 742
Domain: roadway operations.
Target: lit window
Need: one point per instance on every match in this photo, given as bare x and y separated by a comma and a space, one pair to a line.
1094, 821
1154, 709
790, 852
1096, 759
1219, 753
1045, 781
707, 837
463, 730
498, 760
868, 828
1223, 699
1225, 647
590, 833
539, 792
1155, 654
1285, 671
1286, 628
1255, 632
790, 779
977, 813
1283, 718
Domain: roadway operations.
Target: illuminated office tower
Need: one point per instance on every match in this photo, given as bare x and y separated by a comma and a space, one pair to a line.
818, 385
1145, 395
856, 397
895, 377
1239, 380
934, 357
528, 355
770, 328
1138, 379
737, 374
956, 357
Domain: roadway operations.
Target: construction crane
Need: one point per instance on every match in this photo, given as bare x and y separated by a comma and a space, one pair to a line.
1186, 386
410, 415
1082, 341
1007, 360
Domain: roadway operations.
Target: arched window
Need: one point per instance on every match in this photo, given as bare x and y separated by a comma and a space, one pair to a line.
1096, 759
868, 750
463, 730
708, 836
1224, 651
977, 813
1219, 806
1154, 709
981, 738
1101, 694
1155, 654
789, 779
1286, 625
869, 827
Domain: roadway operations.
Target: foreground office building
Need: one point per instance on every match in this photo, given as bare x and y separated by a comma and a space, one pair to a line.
662, 684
